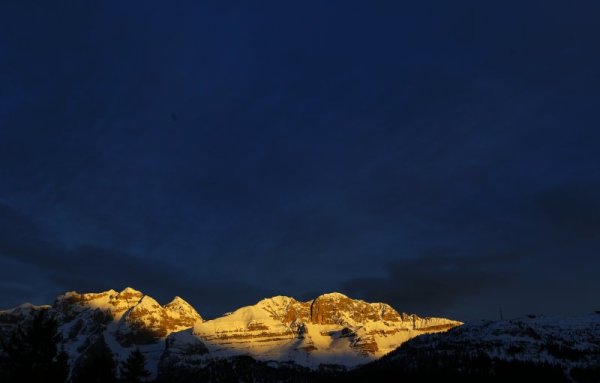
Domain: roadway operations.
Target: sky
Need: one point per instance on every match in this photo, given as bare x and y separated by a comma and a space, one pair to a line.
443, 157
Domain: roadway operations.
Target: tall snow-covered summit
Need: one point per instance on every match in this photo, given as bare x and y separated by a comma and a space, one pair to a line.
331, 329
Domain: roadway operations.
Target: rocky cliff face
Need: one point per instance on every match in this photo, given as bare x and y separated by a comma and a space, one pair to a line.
331, 329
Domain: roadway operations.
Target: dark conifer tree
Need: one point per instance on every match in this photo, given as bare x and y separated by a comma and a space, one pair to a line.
96, 365
32, 352
133, 370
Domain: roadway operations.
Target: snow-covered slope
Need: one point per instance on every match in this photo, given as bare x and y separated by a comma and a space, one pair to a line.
569, 348
10, 319
544, 339
331, 329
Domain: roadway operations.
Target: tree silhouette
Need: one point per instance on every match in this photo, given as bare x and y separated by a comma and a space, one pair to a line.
32, 352
133, 370
95, 365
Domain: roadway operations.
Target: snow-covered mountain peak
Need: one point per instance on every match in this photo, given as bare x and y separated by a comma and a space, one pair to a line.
278, 300
278, 306
25, 308
148, 322
177, 301
334, 296
129, 293
145, 306
11, 317
110, 302
178, 308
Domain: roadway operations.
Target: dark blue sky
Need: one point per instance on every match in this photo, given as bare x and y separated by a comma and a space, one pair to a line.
443, 157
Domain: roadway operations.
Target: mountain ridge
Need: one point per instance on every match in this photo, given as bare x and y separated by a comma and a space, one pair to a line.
330, 329
330, 337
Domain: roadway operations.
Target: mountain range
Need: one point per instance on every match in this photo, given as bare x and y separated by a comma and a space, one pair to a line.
331, 337
331, 330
